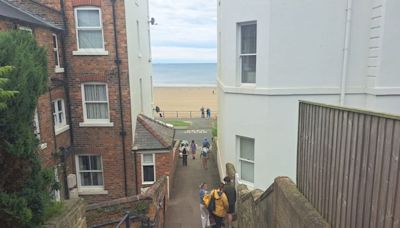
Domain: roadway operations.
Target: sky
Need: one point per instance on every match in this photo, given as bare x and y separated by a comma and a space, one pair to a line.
186, 31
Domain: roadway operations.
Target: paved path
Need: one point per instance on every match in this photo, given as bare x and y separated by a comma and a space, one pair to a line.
183, 207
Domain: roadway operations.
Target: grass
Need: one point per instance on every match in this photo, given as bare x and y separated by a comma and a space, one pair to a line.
53, 209
178, 123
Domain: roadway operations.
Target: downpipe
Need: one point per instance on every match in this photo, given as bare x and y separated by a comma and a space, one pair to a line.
121, 108
346, 52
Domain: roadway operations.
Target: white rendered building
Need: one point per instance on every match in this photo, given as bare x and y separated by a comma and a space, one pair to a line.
139, 55
271, 54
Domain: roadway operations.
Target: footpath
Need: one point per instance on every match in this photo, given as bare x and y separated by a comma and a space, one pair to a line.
184, 208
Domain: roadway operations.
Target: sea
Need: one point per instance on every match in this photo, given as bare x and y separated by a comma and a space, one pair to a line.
184, 74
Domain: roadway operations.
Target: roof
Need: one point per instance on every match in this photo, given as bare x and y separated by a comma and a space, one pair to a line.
21, 14
151, 134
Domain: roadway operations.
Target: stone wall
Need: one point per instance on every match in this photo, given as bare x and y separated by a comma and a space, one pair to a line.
150, 204
280, 206
73, 215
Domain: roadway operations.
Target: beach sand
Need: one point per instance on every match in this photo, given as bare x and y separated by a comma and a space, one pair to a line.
184, 100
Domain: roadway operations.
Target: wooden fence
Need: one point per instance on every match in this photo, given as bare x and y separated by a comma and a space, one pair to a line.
348, 165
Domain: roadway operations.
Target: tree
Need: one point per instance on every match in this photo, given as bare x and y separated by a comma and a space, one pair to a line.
24, 185
5, 94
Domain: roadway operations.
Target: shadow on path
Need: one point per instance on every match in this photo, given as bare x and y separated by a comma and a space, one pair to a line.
183, 207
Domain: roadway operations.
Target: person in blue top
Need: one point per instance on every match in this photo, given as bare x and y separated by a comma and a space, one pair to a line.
206, 143
205, 216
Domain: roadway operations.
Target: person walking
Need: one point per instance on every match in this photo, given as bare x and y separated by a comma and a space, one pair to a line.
193, 148
230, 192
218, 205
208, 111
204, 157
206, 143
184, 156
204, 214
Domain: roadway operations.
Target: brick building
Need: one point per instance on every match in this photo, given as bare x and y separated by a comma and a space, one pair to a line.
154, 151
99, 71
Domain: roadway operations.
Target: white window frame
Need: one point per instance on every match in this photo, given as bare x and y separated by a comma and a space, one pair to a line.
56, 50
89, 51
239, 165
240, 55
59, 127
95, 122
56, 193
149, 164
36, 130
36, 123
25, 28
93, 189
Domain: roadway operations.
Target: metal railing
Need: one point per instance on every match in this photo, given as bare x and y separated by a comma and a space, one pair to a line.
145, 220
184, 114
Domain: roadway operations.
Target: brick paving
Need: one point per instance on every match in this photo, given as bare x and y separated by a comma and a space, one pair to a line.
183, 208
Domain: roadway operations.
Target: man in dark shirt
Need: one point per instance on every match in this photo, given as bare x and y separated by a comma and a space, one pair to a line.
230, 193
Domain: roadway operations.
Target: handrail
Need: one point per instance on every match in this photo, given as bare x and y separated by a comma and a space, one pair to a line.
185, 114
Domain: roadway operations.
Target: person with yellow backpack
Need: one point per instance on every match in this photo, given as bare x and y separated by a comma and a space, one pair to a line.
217, 204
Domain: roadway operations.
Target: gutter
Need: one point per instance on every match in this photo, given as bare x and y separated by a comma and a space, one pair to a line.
121, 108
346, 52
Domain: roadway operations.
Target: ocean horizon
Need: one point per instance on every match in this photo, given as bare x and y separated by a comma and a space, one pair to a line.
184, 74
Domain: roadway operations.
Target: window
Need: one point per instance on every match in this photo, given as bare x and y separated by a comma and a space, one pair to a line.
58, 110
246, 159
56, 193
95, 102
89, 29
248, 50
90, 171
36, 127
56, 54
24, 28
148, 169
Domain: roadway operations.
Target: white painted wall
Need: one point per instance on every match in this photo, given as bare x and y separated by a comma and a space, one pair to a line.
300, 57
139, 57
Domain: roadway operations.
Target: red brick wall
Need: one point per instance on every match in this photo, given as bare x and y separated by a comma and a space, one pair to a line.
163, 167
104, 141
47, 136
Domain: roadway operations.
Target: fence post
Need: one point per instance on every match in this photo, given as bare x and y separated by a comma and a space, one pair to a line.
127, 221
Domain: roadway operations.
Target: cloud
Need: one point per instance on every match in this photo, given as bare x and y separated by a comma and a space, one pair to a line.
186, 26
183, 54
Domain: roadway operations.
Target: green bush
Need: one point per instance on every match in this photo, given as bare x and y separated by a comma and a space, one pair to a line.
24, 186
214, 130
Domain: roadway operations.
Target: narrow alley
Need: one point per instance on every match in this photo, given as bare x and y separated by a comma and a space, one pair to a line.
183, 208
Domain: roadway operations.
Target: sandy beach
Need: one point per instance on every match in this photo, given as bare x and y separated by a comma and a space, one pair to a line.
185, 99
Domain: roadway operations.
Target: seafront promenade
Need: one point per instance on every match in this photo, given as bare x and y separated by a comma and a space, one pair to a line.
183, 208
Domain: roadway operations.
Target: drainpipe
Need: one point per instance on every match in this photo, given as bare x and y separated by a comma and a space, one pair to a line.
65, 64
135, 167
67, 94
121, 108
346, 51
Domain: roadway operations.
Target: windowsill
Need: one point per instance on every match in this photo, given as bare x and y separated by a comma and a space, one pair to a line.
90, 52
43, 146
92, 191
248, 85
59, 70
148, 182
96, 124
61, 129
